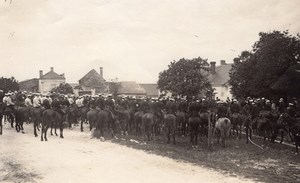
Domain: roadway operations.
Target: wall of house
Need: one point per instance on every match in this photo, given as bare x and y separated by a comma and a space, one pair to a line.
46, 85
222, 92
31, 85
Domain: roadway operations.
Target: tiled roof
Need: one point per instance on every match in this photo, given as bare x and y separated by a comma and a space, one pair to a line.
151, 89
131, 87
221, 76
52, 75
92, 79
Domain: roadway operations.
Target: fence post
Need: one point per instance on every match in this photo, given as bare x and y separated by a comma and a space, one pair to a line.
209, 128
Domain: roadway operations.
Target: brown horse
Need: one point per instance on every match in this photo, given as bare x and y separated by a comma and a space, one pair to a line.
36, 117
92, 117
194, 123
125, 117
222, 129
170, 126
73, 116
138, 121
58, 123
148, 122
237, 123
204, 116
182, 124
51, 118
263, 126
292, 125
1, 117
105, 117
22, 115
83, 116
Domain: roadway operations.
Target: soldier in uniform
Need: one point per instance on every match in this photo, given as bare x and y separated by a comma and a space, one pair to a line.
222, 110
100, 102
27, 101
56, 106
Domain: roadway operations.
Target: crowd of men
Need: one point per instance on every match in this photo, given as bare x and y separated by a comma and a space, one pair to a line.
249, 106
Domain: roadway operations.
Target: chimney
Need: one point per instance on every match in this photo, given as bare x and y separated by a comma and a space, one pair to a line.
101, 72
41, 73
223, 62
51, 68
213, 67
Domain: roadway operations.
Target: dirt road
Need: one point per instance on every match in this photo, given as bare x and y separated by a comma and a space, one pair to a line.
78, 158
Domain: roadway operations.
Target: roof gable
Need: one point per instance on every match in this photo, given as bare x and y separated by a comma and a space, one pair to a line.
92, 75
52, 75
151, 89
131, 87
221, 76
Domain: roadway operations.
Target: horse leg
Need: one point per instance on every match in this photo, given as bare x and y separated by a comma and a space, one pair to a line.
70, 123
22, 128
45, 133
61, 129
10, 118
42, 133
55, 130
81, 126
34, 128
1, 124
52, 125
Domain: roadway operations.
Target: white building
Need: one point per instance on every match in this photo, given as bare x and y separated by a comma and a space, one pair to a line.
219, 77
50, 80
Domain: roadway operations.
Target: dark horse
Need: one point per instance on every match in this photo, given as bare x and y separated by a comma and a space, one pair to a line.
83, 116
36, 117
138, 121
9, 113
57, 121
170, 126
50, 118
194, 123
1, 116
293, 124
148, 121
237, 123
105, 117
204, 116
22, 115
73, 116
125, 118
182, 122
92, 117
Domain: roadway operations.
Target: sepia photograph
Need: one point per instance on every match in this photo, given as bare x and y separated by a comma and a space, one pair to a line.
149, 91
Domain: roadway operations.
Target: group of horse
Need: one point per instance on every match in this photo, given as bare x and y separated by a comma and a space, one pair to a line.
41, 118
267, 125
154, 123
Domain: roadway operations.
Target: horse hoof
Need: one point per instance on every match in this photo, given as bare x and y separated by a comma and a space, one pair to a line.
36, 135
23, 132
46, 139
61, 136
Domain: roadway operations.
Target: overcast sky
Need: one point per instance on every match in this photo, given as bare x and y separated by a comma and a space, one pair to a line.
131, 39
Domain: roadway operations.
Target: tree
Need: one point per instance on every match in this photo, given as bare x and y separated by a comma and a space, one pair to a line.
9, 84
186, 78
254, 73
63, 88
